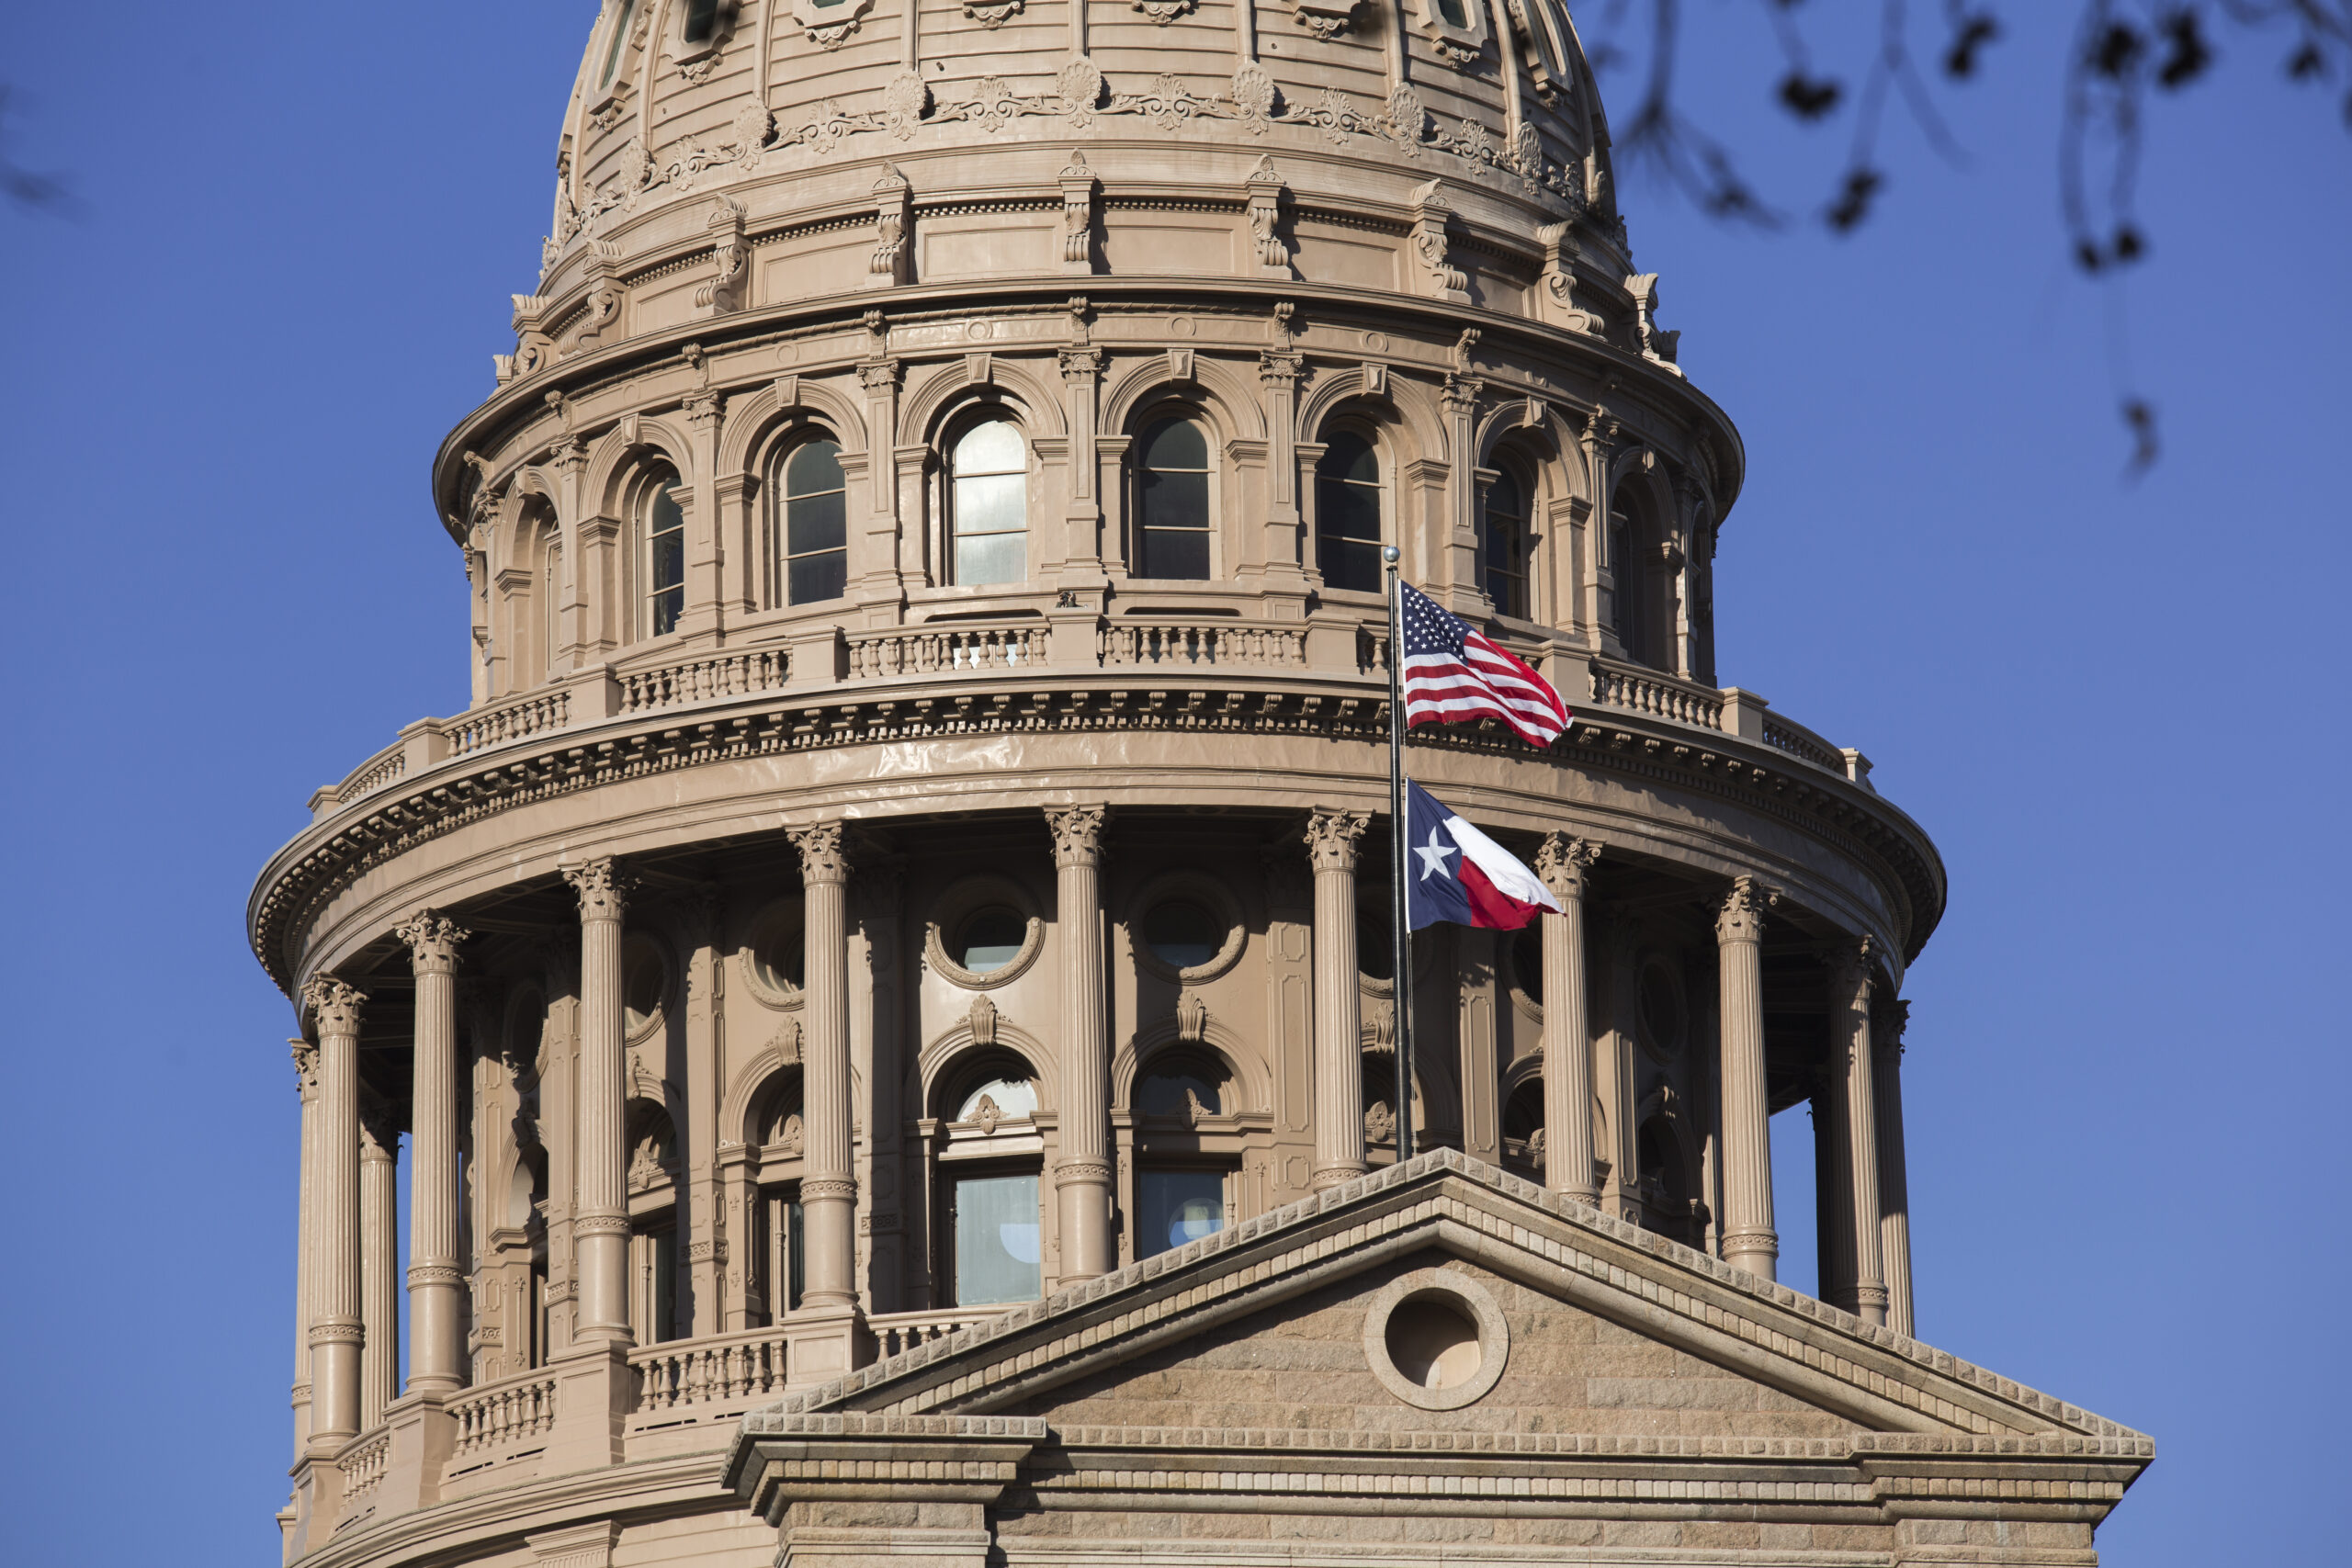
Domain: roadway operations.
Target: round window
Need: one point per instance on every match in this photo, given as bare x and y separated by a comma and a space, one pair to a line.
645, 981
989, 938
1375, 948
1433, 1343
1662, 1014
1527, 961
1182, 935
1436, 1338
779, 952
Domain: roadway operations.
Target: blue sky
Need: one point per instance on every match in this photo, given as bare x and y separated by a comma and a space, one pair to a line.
2115, 706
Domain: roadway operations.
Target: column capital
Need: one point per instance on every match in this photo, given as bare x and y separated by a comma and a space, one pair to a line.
1740, 917
380, 1133
1890, 1016
432, 939
1561, 862
1851, 961
822, 859
334, 1003
1332, 837
1080, 364
603, 888
306, 1065
1077, 833
1280, 369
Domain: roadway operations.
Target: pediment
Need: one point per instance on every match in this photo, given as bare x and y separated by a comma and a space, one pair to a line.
1615, 1334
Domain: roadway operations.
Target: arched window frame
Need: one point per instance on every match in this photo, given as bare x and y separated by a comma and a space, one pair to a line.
986, 1149
1140, 563
614, 58
650, 594
656, 1258
782, 553
1325, 490
1173, 1155
1634, 540
1524, 573
952, 496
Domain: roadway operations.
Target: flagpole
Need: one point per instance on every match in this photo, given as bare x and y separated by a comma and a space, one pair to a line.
1400, 942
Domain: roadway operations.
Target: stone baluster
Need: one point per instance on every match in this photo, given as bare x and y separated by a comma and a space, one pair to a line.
1893, 1184
1851, 983
1083, 1176
1562, 862
1748, 1239
600, 1227
306, 1082
335, 1323
435, 1277
1331, 839
379, 1266
828, 1182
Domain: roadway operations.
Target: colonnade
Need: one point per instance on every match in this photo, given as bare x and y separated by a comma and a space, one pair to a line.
345, 1374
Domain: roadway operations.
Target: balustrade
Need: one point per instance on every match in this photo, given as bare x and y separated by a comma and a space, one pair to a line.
898, 1332
373, 774
936, 649
703, 680
1201, 642
363, 1462
1660, 696
533, 714
503, 1415
700, 1371
1799, 741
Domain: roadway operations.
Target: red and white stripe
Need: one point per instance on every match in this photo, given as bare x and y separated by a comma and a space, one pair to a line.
1486, 681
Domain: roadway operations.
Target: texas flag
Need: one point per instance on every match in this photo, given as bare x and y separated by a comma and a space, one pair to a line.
1452, 872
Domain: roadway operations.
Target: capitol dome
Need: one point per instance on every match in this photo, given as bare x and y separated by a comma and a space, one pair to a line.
884, 994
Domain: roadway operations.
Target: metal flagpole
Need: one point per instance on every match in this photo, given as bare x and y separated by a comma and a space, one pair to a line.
1400, 942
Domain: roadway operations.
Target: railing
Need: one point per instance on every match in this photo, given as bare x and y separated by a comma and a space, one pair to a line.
1372, 649
1799, 741
1675, 701
700, 680
897, 1332
738, 1366
1201, 642
373, 774
363, 1462
943, 649
500, 1414
533, 714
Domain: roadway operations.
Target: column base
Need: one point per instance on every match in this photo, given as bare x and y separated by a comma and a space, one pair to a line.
827, 1342
596, 1389
1332, 1176
317, 1505
424, 1434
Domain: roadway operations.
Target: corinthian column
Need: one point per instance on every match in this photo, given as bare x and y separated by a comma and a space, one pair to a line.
600, 1168
1338, 1013
306, 1082
335, 1325
379, 1264
1082, 1179
1749, 1241
436, 1307
828, 1182
1893, 1184
1850, 1064
1561, 862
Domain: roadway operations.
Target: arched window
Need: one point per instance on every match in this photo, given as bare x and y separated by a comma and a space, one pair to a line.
550, 605
1629, 571
1184, 1167
621, 43
1347, 514
653, 1240
989, 504
991, 1231
1505, 542
664, 526
816, 523
1172, 501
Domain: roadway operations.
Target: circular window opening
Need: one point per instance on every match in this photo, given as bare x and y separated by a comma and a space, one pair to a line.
1177, 1091
780, 952
1182, 935
1661, 1005
1527, 961
1434, 1344
645, 980
1376, 949
989, 938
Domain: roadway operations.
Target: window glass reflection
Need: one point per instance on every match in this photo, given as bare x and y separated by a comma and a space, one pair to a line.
997, 1240
1177, 1206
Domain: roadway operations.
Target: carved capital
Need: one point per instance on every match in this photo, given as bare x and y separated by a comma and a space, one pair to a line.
822, 859
1850, 960
1890, 1016
1078, 834
879, 377
1741, 916
1279, 368
603, 888
306, 1065
335, 1005
1080, 364
1561, 862
432, 939
380, 1133
1332, 837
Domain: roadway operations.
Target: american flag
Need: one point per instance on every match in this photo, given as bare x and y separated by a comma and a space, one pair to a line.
1452, 673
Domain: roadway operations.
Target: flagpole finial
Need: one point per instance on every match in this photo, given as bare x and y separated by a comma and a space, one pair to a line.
1390, 553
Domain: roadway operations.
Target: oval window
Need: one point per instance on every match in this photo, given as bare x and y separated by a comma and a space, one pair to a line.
989, 938
645, 980
780, 951
1182, 935
1527, 961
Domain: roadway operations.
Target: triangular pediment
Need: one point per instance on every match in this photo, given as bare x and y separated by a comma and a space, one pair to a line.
1615, 1333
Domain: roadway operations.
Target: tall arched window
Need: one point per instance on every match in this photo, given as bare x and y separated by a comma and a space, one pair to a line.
621, 43
1506, 546
1629, 574
550, 605
815, 525
989, 504
990, 1229
1172, 501
664, 528
1347, 514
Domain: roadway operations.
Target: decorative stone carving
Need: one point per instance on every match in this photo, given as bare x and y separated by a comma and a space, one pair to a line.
905, 101
1561, 862
1192, 1016
730, 261
894, 214
829, 25
822, 858
1441, 279
1326, 20
432, 941
602, 886
994, 13
1741, 916
981, 1018
1265, 187
1657, 346
1332, 837
1164, 11
1078, 189
1556, 285
988, 1115
334, 1005
1078, 834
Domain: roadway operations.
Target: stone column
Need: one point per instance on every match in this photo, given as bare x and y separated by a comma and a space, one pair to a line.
600, 1168
1851, 972
1563, 864
1749, 1241
1894, 1185
1083, 1176
335, 1324
701, 1227
306, 1083
1331, 839
435, 1264
1620, 1190
380, 1268
828, 1182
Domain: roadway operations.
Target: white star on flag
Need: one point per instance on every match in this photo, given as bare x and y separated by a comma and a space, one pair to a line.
1433, 855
